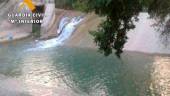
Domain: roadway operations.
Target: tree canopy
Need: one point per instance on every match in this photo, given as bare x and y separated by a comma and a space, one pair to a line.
120, 15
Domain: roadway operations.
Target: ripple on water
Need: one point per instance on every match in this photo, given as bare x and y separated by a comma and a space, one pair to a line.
161, 76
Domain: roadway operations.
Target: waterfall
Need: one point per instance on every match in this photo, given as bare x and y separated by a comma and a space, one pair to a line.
64, 21
66, 27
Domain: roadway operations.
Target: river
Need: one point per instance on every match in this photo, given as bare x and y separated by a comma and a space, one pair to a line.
70, 71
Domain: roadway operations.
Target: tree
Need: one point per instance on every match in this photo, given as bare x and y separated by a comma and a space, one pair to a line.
120, 15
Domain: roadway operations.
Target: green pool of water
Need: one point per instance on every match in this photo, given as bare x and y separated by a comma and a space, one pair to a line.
70, 71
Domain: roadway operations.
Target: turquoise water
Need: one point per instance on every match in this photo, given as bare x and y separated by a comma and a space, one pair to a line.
70, 71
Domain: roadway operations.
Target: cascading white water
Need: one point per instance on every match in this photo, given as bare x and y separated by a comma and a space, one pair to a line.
62, 24
66, 27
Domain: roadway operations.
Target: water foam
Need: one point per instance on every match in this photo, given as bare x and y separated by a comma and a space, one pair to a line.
66, 27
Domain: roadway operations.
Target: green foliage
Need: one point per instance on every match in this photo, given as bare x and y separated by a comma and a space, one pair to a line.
79, 5
72, 4
67, 4
159, 9
120, 15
